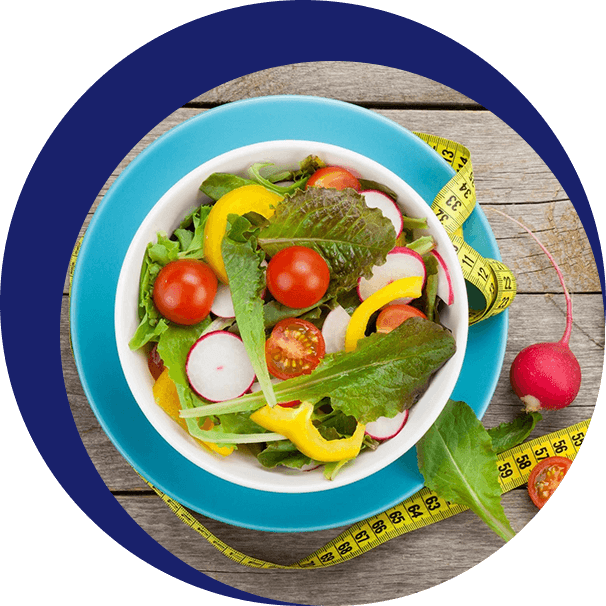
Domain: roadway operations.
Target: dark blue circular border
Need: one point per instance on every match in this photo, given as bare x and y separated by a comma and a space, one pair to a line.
168, 72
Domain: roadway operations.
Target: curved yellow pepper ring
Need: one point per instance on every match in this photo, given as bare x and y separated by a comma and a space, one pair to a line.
295, 424
404, 287
245, 199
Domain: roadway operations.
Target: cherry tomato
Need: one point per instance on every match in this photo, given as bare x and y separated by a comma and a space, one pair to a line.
184, 291
294, 348
297, 277
333, 176
546, 477
393, 315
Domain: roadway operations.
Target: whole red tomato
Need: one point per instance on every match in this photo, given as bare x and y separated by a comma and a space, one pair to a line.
298, 277
184, 291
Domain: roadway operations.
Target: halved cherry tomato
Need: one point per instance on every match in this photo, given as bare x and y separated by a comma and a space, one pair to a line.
546, 477
393, 315
184, 291
333, 176
297, 277
294, 348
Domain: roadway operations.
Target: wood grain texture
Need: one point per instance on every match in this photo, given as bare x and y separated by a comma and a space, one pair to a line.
510, 176
354, 82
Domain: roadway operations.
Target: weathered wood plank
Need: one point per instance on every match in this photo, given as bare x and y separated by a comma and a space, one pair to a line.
402, 566
361, 83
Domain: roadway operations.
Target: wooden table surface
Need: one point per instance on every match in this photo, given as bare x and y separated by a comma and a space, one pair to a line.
509, 175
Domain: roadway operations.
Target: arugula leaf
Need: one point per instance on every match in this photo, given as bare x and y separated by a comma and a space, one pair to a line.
382, 377
351, 237
508, 435
246, 279
457, 461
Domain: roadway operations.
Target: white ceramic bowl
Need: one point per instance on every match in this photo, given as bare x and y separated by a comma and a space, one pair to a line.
242, 468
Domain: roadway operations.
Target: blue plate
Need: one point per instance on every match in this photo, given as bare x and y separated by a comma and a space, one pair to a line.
108, 237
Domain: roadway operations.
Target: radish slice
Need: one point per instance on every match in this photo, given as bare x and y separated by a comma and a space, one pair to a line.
218, 367
384, 428
222, 304
401, 262
390, 210
334, 329
445, 289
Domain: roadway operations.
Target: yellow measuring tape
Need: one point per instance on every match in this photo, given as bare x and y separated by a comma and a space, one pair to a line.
453, 205
422, 509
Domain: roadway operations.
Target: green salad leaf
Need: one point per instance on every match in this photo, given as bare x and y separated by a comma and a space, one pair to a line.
219, 184
351, 237
458, 462
508, 435
263, 173
246, 279
382, 377
268, 174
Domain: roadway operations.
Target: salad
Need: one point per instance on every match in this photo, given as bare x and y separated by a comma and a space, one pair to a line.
295, 315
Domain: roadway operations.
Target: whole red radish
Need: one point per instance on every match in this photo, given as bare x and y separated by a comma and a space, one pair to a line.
547, 375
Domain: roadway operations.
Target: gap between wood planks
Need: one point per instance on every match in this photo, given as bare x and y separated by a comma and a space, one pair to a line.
377, 105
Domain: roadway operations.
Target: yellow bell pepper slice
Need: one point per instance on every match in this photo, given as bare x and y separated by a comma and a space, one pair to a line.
404, 287
167, 398
295, 424
245, 199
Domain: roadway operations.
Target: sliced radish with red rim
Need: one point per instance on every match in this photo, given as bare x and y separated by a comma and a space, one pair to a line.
401, 262
334, 329
377, 199
222, 304
445, 289
385, 428
218, 367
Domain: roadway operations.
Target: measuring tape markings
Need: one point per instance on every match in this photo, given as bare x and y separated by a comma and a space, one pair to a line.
453, 205
421, 509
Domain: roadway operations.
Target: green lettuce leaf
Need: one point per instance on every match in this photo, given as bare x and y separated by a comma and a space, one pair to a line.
351, 237
219, 184
382, 377
283, 453
268, 174
458, 463
246, 279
